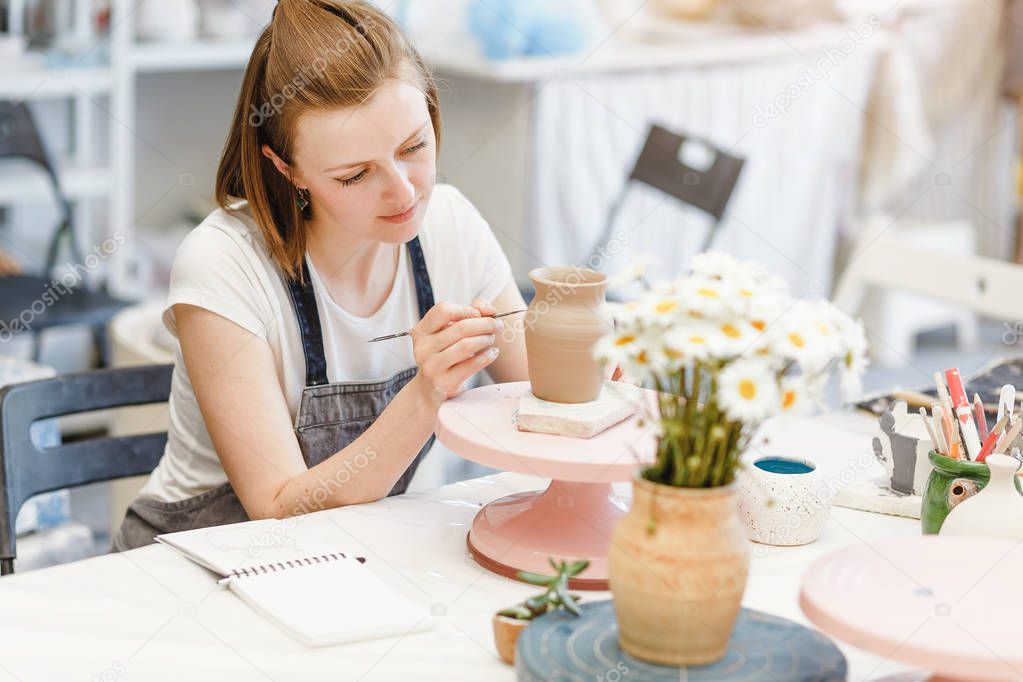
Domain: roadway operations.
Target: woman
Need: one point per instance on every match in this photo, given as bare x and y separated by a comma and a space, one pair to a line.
330, 232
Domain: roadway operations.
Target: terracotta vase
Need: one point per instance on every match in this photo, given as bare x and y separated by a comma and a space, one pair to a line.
565, 319
677, 565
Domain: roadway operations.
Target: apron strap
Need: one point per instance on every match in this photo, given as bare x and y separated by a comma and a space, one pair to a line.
303, 298
424, 289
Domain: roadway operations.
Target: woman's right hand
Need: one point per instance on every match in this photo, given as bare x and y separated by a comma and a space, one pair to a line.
450, 344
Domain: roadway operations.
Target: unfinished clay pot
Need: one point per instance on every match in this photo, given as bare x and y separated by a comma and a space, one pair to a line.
563, 323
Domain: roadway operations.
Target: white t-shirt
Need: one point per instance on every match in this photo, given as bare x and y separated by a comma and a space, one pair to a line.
222, 266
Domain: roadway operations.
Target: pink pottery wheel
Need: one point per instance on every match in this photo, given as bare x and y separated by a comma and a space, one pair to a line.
574, 516
950, 605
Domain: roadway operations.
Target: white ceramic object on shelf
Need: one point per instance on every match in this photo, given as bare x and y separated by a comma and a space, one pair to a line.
168, 20
783, 501
994, 512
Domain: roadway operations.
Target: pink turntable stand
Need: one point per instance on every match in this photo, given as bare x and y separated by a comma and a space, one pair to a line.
952, 606
574, 516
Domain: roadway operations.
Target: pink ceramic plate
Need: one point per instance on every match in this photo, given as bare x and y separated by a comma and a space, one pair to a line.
950, 605
574, 516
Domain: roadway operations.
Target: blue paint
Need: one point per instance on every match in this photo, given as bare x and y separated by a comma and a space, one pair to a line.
783, 465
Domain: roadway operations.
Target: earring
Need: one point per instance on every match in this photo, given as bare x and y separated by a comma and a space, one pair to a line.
303, 198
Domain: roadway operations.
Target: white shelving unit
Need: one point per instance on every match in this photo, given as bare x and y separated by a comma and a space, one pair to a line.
130, 61
83, 168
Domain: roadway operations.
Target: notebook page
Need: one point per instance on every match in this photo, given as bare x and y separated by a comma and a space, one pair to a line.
223, 549
331, 603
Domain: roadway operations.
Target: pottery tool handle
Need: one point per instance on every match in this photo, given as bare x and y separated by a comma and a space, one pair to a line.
951, 434
963, 412
913, 398
927, 425
941, 444
406, 333
1006, 401
978, 412
989, 444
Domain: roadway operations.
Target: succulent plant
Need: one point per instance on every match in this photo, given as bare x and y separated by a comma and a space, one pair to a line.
555, 596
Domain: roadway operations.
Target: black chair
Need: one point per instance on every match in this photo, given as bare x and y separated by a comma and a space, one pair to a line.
32, 303
660, 167
26, 470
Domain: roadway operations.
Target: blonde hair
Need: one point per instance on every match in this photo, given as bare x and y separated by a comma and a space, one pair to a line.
314, 55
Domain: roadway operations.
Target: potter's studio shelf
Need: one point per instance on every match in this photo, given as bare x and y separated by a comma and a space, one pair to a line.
166, 57
42, 82
21, 181
574, 516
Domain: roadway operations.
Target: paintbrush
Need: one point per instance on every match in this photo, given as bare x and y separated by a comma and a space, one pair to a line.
406, 333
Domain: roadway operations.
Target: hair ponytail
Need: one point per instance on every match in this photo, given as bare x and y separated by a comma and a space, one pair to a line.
314, 55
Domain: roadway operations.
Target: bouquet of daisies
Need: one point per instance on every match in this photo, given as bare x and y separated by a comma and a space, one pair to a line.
726, 346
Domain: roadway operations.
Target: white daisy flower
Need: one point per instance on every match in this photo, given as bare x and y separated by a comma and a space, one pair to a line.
692, 340
714, 265
660, 307
707, 298
732, 338
635, 272
796, 336
748, 391
799, 393
615, 347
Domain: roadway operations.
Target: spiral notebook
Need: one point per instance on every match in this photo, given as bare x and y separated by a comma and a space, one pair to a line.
317, 595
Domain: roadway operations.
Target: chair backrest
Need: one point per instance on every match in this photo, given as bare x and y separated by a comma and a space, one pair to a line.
19, 138
661, 166
27, 470
884, 260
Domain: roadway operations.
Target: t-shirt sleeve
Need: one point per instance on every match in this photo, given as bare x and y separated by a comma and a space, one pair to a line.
490, 271
213, 270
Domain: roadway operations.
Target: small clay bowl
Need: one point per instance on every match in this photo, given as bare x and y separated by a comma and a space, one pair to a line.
506, 634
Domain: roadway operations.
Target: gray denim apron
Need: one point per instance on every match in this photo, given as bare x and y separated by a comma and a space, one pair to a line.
330, 417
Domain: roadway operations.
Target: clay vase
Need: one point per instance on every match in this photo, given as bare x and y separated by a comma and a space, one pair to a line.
994, 512
565, 319
677, 568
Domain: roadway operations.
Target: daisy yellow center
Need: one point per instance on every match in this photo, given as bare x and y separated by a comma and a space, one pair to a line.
707, 292
697, 339
796, 340
673, 354
624, 340
788, 399
745, 292
642, 357
747, 389
730, 331
665, 306
824, 329
759, 325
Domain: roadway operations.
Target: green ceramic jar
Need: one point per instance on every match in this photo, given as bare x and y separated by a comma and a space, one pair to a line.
936, 503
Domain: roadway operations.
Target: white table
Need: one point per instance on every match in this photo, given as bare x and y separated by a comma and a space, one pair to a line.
150, 614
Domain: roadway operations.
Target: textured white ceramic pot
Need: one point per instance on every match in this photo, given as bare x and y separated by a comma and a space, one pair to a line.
783, 501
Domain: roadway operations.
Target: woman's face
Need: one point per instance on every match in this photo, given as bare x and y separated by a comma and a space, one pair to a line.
370, 169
